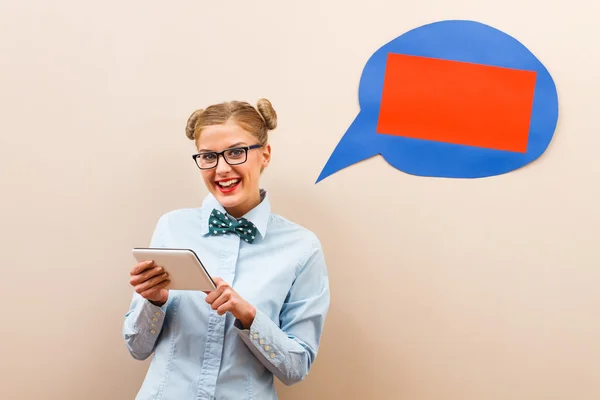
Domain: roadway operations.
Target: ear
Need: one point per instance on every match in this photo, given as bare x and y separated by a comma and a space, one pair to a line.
266, 155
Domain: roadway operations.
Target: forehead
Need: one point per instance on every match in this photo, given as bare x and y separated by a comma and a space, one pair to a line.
222, 136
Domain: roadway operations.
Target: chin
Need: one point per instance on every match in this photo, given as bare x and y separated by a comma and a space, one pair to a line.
229, 202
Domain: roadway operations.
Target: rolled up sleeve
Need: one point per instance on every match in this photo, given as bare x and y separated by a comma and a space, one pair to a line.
289, 347
144, 320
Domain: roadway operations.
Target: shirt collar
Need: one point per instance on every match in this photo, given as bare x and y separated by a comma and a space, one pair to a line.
259, 215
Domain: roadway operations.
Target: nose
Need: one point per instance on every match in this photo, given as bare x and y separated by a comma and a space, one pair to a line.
222, 166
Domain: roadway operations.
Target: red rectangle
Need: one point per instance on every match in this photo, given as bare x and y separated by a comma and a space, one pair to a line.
456, 102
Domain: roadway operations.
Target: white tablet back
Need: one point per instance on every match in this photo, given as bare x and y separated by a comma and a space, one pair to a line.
185, 269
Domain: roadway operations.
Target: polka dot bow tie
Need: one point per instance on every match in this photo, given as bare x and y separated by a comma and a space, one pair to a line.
221, 224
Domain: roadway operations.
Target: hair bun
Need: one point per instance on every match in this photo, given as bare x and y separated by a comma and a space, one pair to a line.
265, 108
190, 128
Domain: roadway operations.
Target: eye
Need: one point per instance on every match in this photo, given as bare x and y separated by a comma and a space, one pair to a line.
207, 156
235, 153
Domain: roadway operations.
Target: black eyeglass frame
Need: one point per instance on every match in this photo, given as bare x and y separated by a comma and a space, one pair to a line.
222, 153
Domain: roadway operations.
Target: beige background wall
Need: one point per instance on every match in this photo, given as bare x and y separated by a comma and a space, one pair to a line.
482, 289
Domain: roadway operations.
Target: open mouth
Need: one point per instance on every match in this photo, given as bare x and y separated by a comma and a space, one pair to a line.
229, 185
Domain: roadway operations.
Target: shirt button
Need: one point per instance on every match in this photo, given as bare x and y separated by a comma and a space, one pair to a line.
153, 325
272, 355
157, 313
154, 319
153, 331
262, 341
267, 347
255, 336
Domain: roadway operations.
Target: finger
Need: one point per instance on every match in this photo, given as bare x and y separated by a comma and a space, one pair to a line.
212, 296
219, 282
155, 290
140, 267
142, 287
222, 299
221, 286
144, 276
228, 306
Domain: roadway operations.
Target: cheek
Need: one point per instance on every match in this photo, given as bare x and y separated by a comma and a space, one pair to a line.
251, 171
207, 176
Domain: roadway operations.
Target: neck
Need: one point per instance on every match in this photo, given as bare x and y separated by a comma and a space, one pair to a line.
242, 209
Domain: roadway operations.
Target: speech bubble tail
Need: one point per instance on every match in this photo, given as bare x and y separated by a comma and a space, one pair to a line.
351, 149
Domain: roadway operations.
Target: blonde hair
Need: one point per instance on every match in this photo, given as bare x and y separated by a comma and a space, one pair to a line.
258, 121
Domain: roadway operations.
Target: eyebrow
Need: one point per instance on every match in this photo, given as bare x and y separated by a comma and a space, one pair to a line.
230, 147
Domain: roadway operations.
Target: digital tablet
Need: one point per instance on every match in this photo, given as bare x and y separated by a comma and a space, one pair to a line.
186, 271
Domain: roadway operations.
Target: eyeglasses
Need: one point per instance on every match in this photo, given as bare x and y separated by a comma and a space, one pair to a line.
233, 156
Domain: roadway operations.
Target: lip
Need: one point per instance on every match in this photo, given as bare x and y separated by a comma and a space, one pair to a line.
229, 189
228, 179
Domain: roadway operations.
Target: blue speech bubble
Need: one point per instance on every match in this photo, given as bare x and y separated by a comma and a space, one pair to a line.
456, 40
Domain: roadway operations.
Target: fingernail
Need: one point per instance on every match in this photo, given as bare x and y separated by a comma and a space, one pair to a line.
159, 269
166, 274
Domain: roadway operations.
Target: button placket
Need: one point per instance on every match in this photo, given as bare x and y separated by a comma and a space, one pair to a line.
216, 328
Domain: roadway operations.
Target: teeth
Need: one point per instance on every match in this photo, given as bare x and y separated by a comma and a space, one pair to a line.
229, 183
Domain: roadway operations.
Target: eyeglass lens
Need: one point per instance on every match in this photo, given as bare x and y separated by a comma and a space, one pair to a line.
232, 156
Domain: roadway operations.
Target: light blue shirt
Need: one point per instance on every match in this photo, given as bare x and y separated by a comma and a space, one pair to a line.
201, 355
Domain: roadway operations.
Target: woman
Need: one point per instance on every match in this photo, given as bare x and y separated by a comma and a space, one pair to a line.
266, 316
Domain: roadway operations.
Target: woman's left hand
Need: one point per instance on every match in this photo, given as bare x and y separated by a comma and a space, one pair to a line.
224, 299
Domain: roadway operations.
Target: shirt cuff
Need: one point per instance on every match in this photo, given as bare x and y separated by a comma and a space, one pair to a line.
261, 338
150, 319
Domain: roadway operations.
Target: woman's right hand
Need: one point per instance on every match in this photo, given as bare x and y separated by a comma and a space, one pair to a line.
149, 281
